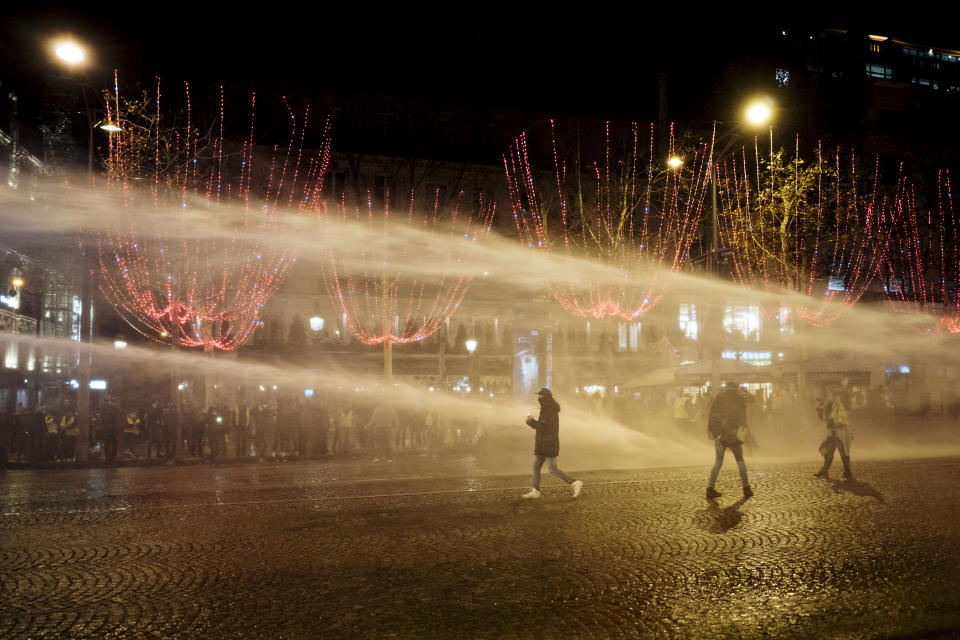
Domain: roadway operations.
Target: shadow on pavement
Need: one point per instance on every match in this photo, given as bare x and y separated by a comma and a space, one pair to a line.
857, 488
717, 519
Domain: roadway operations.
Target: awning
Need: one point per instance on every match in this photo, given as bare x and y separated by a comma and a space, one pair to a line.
655, 378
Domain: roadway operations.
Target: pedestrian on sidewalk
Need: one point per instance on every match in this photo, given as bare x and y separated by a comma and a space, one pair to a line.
834, 414
728, 415
546, 446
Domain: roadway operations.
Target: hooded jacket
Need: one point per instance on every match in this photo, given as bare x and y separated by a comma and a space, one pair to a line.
547, 443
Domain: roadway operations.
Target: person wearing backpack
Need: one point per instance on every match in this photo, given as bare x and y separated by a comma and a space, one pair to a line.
728, 414
834, 414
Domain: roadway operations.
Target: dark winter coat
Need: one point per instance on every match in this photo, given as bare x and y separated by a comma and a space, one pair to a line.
727, 414
547, 443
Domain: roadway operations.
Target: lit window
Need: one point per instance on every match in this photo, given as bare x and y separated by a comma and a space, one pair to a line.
880, 71
785, 320
926, 82
12, 357
744, 320
687, 321
628, 334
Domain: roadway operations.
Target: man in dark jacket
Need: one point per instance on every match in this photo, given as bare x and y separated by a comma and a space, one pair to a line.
547, 444
728, 414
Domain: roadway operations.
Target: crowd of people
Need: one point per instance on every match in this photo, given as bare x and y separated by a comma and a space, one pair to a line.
285, 428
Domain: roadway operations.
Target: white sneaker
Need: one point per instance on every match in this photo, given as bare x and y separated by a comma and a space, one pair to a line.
577, 486
533, 493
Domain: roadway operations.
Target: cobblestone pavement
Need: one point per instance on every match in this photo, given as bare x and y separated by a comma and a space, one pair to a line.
436, 548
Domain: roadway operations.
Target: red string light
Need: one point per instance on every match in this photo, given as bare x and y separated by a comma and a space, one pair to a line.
922, 268
203, 282
370, 289
803, 229
642, 222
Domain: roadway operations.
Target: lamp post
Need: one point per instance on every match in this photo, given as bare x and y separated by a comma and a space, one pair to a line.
72, 55
471, 345
758, 112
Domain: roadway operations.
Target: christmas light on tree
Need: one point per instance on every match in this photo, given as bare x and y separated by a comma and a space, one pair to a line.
617, 203
192, 256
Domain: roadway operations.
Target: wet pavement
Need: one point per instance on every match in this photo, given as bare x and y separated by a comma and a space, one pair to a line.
429, 547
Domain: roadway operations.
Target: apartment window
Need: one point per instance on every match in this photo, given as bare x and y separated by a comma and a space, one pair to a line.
926, 82
880, 71
687, 321
875, 47
629, 335
743, 320
785, 321
11, 359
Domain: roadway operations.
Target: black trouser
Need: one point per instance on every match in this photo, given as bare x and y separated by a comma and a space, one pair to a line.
832, 444
68, 447
243, 441
110, 447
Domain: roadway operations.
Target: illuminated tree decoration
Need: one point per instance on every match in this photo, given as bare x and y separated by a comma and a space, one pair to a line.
624, 209
922, 269
374, 286
192, 256
801, 227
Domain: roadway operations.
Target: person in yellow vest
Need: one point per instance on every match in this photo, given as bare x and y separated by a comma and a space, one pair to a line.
131, 433
69, 431
683, 411
834, 414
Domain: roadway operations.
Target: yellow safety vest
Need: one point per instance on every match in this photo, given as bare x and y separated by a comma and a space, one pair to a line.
51, 425
68, 423
133, 425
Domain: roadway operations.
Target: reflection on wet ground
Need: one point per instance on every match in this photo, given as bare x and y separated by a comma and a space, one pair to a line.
442, 547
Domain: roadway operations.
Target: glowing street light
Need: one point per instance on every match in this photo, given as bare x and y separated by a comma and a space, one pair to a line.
110, 127
674, 161
758, 112
70, 52
471, 345
17, 282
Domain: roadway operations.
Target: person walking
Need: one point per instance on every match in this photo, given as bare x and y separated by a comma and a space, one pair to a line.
382, 426
728, 414
834, 414
546, 445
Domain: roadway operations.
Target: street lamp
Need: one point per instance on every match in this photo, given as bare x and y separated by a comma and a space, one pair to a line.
674, 162
108, 126
74, 56
758, 113
471, 345
70, 52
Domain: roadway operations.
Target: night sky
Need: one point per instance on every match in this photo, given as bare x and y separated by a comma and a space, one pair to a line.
602, 63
